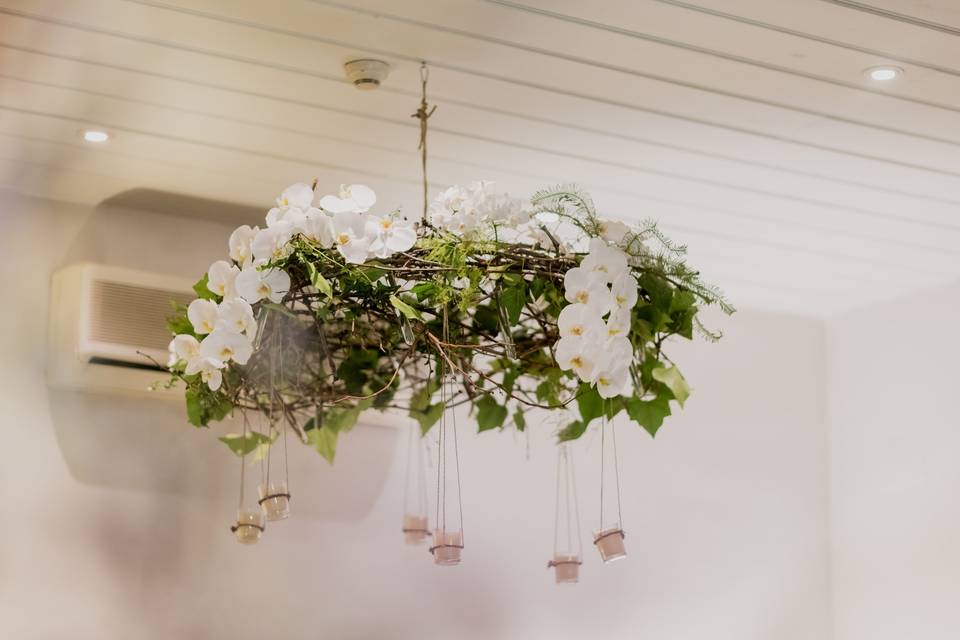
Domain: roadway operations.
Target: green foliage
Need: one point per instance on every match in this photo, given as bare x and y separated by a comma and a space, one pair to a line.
649, 414
204, 405
241, 444
670, 376
200, 288
422, 411
490, 413
407, 310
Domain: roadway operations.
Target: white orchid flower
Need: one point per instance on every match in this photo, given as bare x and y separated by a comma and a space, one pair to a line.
618, 324
202, 315
617, 352
355, 198
186, 347
350, 236
317, 227
453, 198
624, 291
172, 358
272, 243
587, 287
237, 316
254, 285
389, 235
605, 259
225, 345
613, 231
580, 356
240, 243
293, 202
291, 216
614, 382
209, 370
580, 321
221, 277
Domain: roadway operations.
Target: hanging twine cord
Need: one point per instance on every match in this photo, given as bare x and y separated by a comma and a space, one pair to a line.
423, 114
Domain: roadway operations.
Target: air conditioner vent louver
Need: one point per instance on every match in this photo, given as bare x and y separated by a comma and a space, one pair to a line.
130, 315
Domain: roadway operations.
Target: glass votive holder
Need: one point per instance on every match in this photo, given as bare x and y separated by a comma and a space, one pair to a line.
566, 567
415, 529
249, 526
609, 543
275, 501
447, 546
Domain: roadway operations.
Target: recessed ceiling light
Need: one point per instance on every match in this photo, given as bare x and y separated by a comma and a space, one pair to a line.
884, 73
95, 135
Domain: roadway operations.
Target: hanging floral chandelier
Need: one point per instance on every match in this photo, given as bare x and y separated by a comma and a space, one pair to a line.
485, 301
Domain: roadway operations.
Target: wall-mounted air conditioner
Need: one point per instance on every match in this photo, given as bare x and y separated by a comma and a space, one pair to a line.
100, 318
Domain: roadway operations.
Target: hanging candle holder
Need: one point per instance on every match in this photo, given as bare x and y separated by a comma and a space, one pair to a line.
448, 534
416, 527
250, 523
274, 491
567, 543
609, 537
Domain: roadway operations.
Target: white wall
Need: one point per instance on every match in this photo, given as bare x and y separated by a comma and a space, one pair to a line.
116, 512
894, 426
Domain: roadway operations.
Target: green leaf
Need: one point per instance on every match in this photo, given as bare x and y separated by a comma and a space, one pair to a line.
649, 414
324, 440
318, 281
200, 288
490, 414
194, 408
674, 381
519, 420
572, 431
409, 312
427, 417
512, 299
590, 403
242, 444
486, 319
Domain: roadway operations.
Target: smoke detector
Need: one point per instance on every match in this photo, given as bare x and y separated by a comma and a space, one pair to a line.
366, 74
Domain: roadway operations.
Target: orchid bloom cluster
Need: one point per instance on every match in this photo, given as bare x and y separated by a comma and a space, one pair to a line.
594, 328
342, 221
228, 327
466, 210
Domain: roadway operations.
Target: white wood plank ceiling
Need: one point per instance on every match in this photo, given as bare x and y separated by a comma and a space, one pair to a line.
747, 127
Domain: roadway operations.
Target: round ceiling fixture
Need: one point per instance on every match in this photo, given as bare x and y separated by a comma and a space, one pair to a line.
366, 74
95, 135
884, 73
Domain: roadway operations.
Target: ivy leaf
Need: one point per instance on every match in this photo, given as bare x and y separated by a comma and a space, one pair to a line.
674, 381
485, 318
519, 420
324, 440
318, 281
427, 417
242, 444
194, 408
572, 431
200, 288
590, 403
490, 414
512, 299
649, 414
409, 312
